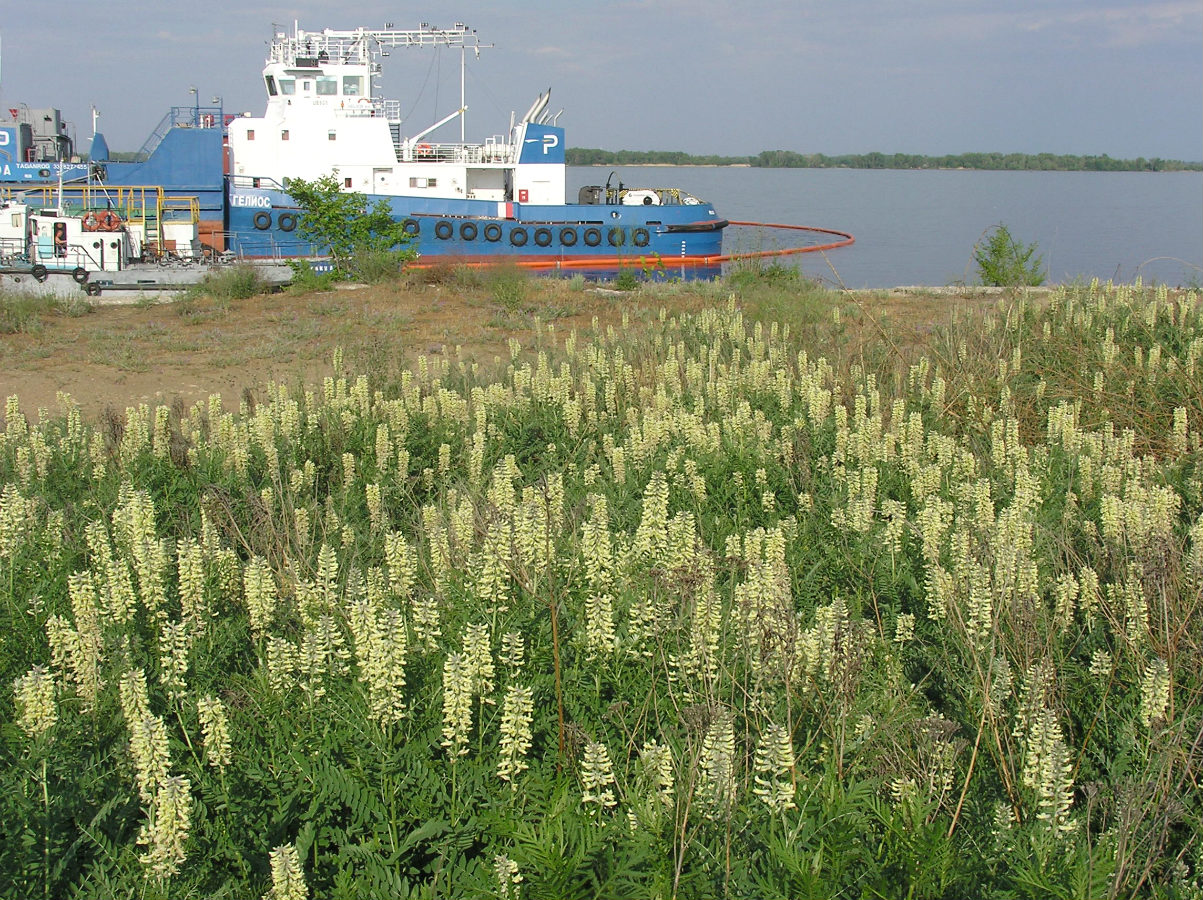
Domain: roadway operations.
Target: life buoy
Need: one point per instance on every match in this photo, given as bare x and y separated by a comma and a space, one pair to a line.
640, 237
425, 151
109, 221
543, 237
443, 230
568, 237
492, 232
518, 236
287, 221
39, 272
80, 274
412, 227
592, 237
91, 222
616, 236
467, 231
262, 220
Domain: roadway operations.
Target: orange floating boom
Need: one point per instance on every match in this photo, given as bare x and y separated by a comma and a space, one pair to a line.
618, 262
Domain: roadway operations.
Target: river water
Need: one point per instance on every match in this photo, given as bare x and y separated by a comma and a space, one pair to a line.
920, 227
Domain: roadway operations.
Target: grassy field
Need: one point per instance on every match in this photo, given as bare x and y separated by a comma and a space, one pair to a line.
750, 589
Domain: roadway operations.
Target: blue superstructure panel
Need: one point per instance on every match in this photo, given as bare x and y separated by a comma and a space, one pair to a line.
187, 163
10, 143
188, 158
542, 144
100, 148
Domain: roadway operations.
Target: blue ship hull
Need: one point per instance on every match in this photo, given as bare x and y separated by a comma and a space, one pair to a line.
263, 223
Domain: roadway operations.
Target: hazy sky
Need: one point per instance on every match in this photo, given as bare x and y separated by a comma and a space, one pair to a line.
731, 77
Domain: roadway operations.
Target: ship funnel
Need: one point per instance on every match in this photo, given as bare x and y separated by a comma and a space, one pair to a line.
536, 108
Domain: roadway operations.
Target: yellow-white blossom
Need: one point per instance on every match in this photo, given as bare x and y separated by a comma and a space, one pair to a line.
288, 878
36, 709
717, 765
148, 747
774, 769
513, 651
1154, 692
508, 877
597, 777
215, 729
515, 733
457, 704
170, 820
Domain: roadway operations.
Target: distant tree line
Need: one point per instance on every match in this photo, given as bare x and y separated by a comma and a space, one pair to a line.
582, 156
788, 159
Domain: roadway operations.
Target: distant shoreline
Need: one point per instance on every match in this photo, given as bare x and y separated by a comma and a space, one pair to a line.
641, 165
786, 159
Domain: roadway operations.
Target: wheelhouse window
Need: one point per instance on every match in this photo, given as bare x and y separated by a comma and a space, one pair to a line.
288, 86
352, 85
423, 182
327, 86
271, 85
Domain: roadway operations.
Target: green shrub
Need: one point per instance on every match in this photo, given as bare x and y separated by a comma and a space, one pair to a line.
21, 312
1002, 261
626, 280
509, 286
357, 235
238, 282
374, 266
306, 279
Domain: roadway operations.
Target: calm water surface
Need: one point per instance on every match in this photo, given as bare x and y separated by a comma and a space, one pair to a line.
920, 227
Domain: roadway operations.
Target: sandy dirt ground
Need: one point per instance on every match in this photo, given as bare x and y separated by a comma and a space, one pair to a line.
119, 355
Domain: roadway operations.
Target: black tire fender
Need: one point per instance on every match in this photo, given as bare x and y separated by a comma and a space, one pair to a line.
640, 237
80, 274
443, 230
262, 220
287, 221
39, 272
492, 232
518, 236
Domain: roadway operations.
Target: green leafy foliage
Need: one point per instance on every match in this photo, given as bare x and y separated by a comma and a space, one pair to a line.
1002, 261
363, 240
238, 282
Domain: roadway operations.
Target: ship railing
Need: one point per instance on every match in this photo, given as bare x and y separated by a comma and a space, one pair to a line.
367, 108
15, 254
182, 117
12, 251
268, 247
255, 181
490, 152
138, 203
